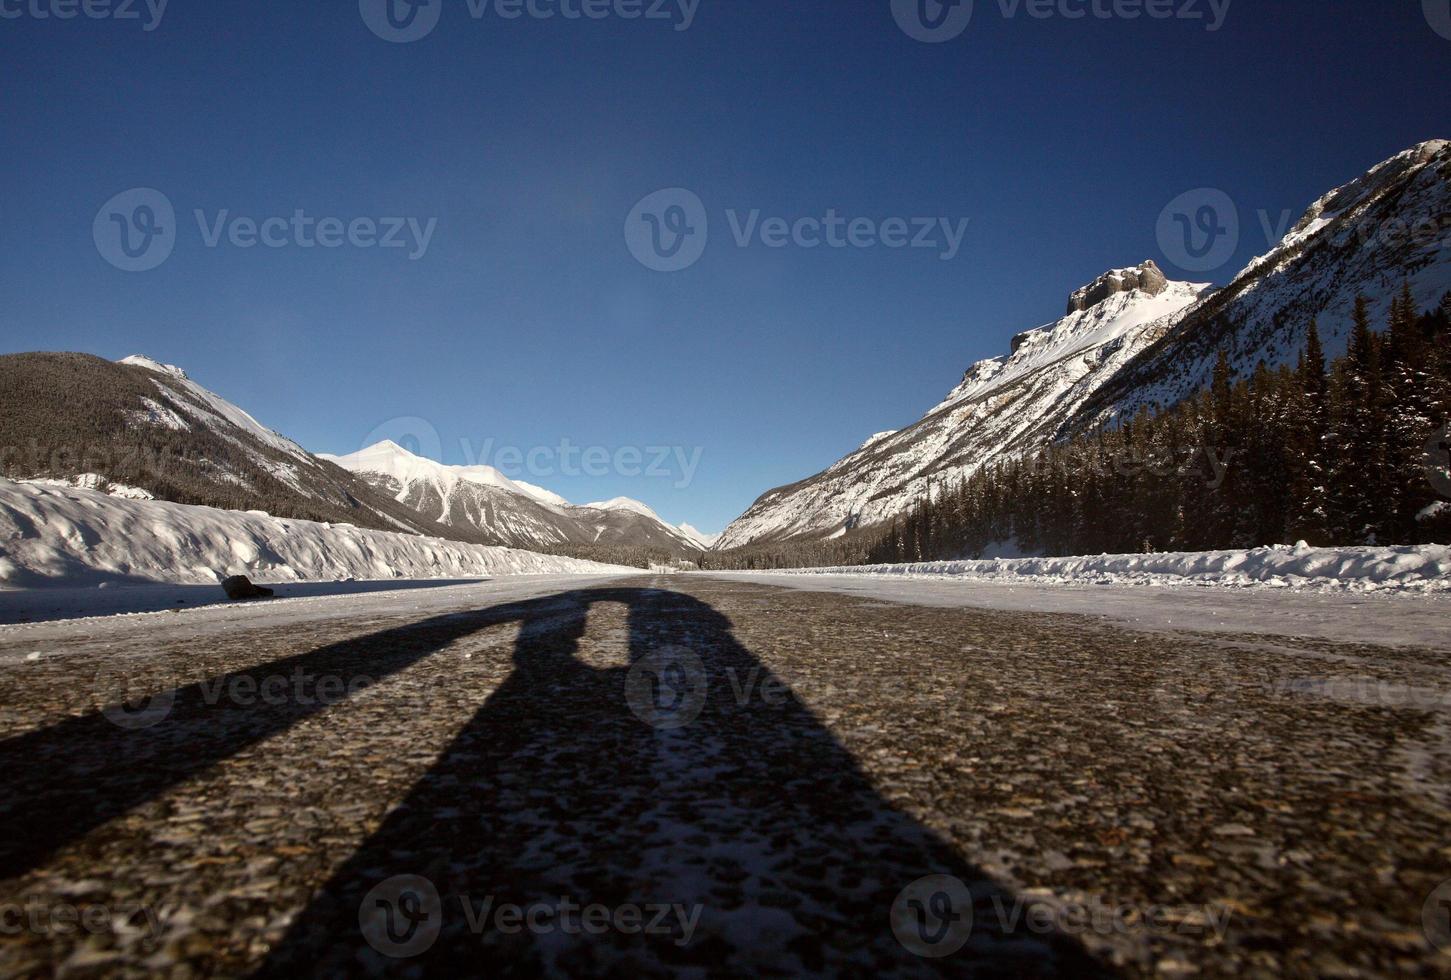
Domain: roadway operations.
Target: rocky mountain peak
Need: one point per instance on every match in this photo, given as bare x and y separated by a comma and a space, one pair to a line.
1146, 277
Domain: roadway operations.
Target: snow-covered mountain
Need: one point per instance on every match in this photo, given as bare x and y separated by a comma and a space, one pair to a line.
1002, 405
482, 500
141, 428
1132, 337
695, 537
1388, 227
706, 541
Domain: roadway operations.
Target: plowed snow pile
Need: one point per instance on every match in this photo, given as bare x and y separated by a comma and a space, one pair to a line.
1422, 568
62, 536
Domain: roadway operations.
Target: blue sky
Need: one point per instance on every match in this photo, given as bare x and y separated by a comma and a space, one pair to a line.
525, 143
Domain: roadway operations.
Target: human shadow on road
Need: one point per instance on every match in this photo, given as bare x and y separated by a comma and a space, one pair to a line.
65, 780
652, 819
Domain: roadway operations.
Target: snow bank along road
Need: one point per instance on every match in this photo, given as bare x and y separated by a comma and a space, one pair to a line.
682, 773
1406, 569
53, 536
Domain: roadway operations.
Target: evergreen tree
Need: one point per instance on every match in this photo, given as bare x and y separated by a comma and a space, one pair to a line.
1307, 427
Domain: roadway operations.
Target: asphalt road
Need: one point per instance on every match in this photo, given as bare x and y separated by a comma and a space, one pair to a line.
692, 776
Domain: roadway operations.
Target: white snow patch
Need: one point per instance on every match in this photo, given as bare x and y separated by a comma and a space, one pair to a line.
95, 481
156, 413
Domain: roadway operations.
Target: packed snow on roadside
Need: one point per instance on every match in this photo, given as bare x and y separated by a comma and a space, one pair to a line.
1411, 569
68, 536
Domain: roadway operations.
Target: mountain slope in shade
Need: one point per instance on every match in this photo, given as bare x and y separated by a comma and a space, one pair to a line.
1388, 227
1003, 405
144, 428
482, 501
1132, 339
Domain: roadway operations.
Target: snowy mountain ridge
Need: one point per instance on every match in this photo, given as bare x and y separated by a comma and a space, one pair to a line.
213, 410
1133, 338
1003, 404
392, 460
483, 500
1386, 228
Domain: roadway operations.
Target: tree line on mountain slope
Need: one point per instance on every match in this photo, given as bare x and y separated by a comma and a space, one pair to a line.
1337, 454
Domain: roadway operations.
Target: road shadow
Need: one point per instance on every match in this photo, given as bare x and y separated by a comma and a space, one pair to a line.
650, 819
621, 775
65, 780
